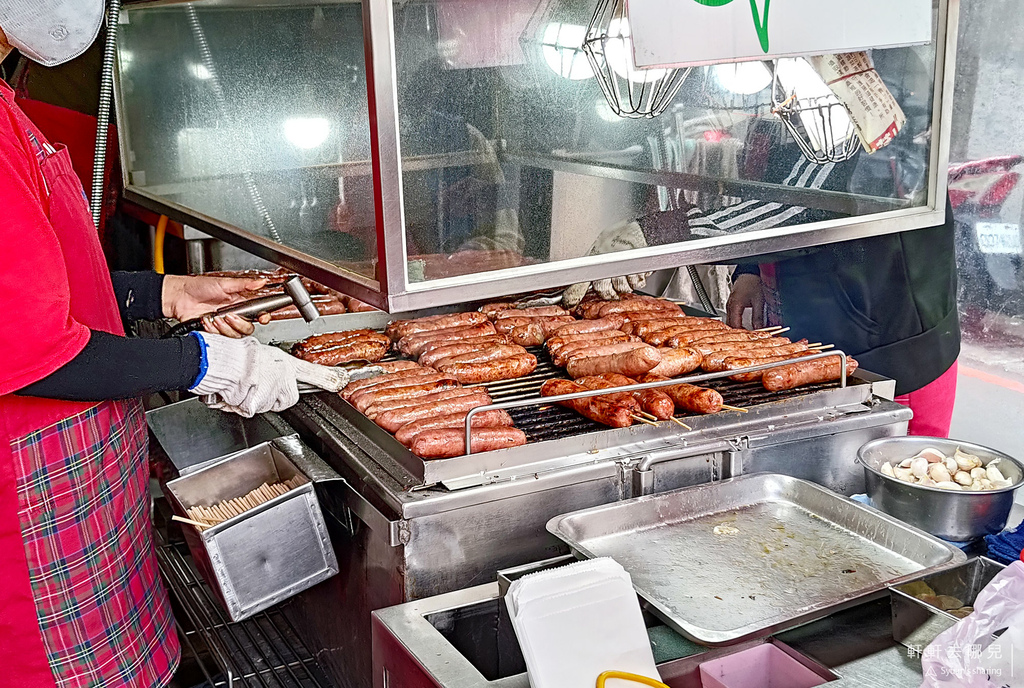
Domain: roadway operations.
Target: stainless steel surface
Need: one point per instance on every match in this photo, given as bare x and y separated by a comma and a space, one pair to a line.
951, 515
191, 434
413, 646
687, 379
263, 651
795, 553
392, 62
268, 553
915, 623
295, 289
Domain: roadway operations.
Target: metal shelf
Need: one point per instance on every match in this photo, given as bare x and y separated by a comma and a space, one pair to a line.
263, 651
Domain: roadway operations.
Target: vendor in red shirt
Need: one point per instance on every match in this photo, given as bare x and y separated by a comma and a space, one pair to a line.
81, 603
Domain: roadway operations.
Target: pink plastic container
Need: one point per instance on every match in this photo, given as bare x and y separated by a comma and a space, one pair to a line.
764, 666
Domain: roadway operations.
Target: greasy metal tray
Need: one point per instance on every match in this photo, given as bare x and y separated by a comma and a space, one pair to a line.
787, 552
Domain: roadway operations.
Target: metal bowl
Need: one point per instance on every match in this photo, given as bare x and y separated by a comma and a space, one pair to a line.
950, 515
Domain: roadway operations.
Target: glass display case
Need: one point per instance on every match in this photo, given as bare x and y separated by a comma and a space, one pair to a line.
428, 152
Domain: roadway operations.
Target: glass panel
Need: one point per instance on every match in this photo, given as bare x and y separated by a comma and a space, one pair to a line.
513, 156
257, 117
988, 204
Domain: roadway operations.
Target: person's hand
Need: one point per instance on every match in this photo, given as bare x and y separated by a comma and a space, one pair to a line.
188, 297
747, 292
622, 237
246, 377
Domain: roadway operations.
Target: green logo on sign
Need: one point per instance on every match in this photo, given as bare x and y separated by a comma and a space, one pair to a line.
760, 20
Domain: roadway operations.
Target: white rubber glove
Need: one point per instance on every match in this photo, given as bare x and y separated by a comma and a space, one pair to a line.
245, 376
621, 237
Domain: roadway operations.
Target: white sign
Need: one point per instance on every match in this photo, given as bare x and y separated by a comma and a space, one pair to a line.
676, 33
998, 238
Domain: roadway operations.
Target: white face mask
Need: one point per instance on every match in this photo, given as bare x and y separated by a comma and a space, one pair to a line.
51, 32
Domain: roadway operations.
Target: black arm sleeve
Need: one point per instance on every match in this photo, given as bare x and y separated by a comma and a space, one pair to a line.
139, 295
112, 367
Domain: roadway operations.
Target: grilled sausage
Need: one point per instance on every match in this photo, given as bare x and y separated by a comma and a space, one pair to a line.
346, 353
612, 322
448, 442
506, 325
559, 340
806, 373
387, 377
645, 328
536, 312
689, 398
333, 339
536, 333
402, 379
638, 306
715, 362
562, 354
394, 419
485, 419
421, 386
414, 344
600, 349
676, 362
492, 371
620, 398
589, 407
356, 306
737, 362
396, 366
732, 336
681, 335
653, 401
433, 353
402, 328
698, 335
771, 343
491, 310
482, 355
629, 363
395, 404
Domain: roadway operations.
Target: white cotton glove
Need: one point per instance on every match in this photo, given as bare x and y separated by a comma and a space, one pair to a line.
621, 237
245, 376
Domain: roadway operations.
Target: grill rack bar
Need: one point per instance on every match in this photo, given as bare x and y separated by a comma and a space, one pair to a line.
262, 651
538, 401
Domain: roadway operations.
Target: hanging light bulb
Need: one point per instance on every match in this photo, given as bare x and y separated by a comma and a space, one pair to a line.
630, 92
743, 78
562, 47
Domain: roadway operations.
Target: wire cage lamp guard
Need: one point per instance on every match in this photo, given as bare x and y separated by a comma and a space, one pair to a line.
631, 93
820, 126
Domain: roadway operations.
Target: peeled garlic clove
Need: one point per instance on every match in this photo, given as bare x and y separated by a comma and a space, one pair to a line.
993, 473
905, 463
966, 461
978, 473
948, 486
904, 474
986, 484
938, 473
950, 464
919, 466
933, 455
926, 481
887, 470
976, 486
964, 478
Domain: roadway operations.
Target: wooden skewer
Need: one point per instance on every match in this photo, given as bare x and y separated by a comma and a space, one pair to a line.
642, 419
734, 408
680, 423
775, 330
197, 524
826, 347
815, 345
648, 416
783, 330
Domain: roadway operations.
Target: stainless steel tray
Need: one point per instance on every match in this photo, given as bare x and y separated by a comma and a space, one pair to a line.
787, 552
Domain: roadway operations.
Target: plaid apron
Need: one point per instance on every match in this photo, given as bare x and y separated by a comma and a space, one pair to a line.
84, 508
83, 605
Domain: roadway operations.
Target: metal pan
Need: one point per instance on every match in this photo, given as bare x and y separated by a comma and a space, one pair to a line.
748, 557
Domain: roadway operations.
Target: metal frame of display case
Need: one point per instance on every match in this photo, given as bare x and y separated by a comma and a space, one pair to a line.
392, 291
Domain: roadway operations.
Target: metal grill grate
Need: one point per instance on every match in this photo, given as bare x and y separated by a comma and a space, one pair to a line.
263, 651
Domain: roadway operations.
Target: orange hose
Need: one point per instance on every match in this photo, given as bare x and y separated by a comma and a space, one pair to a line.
635, 678
158, 245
